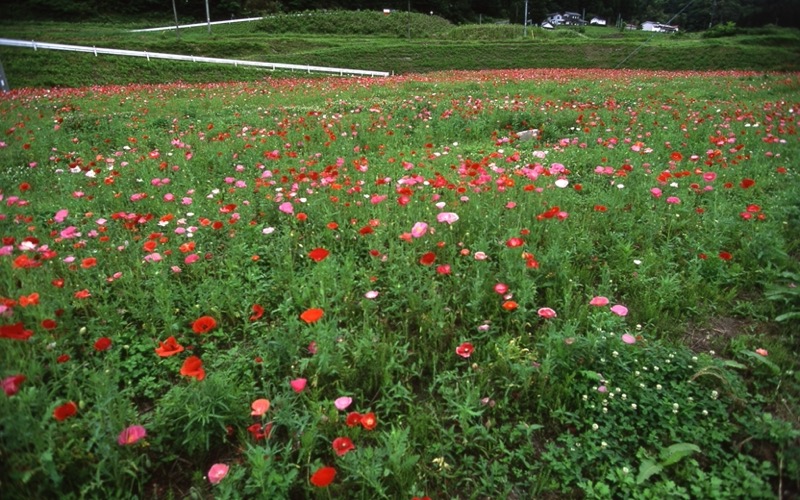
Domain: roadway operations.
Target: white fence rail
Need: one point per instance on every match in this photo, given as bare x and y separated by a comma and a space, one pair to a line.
177, 57
198, 25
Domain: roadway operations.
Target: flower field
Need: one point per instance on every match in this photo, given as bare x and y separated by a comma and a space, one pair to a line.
380, 288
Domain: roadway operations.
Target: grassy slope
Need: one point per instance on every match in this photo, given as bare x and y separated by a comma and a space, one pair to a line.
473, 47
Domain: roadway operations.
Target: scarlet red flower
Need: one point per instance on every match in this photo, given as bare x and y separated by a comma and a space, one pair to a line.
444, 269
465, 350
365, 230
82, 294
204, 324
16, 331
168, 348
88, 262
258, 311
323, 477
102, 344
427, 259
676, 156
65, 411
58, 282
311, 315
25, 262
368, 421
62, 359
318, 254
353, 419
341, 445
193, 367
48, 324
747, 183
332, 226
29, 300
725, 255
514, 242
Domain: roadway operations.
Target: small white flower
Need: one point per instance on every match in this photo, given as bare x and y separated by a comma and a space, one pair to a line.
595, 427
658, 387
633, 406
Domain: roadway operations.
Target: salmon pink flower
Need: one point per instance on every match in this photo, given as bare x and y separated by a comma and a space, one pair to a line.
131, 435
465, 350
510, 305
323, 477
217, 473
371, 294
501, 288
546, 312
260, 407
598, 301
341, 445
514, 242
762, 352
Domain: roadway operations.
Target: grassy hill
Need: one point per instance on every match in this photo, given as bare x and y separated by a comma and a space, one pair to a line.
398, 43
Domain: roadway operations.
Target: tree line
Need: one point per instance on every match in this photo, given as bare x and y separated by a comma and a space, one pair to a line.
690, 15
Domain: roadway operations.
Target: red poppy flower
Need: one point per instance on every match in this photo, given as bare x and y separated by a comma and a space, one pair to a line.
82, 294
725, 255
311, 315
465, 350
48, 324
323, 477
29, 300
332, 226
366, 230
65, 411
88, 262
58, 282
204, 324
444, 269
102, 344
676, 156
747, 183
353, 419
514, 242
25, 262
258, 311
427, 259
62, 359
193, 367
341, 445
168, 348
368, 421
510, 305
16, 331
318, 254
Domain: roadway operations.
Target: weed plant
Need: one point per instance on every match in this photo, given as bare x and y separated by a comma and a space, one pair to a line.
374, 286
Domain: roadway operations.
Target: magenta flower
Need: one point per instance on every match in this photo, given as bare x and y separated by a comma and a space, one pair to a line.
673, 200
546, 313
501, 288
286, 208
598, 301
217, 473
11, 384
656, 192
298, 384
619, 310
131, 435
61, 215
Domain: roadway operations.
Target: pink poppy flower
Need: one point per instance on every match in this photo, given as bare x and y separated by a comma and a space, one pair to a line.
286, 208
419, 229
342, 403
298, 384
447, 217
598, 301
619, 310
628, 338
465, 350
217, 473
131, 435
546, 313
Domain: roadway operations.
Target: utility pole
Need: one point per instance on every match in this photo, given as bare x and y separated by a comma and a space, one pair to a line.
175, 11
208, 18
525, 29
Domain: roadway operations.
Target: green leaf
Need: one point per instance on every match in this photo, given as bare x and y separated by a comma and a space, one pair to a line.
762, 359
676, 452
733, 364
646, 469
787, 316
